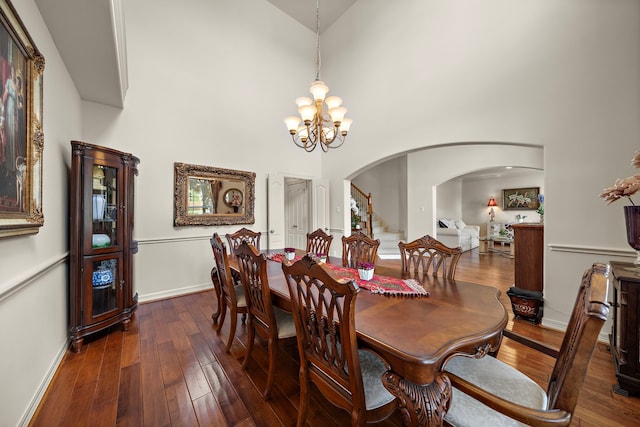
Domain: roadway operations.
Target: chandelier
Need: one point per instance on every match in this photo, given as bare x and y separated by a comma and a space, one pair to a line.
328, 127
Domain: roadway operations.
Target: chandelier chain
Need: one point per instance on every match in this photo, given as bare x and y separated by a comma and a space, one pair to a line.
317, 39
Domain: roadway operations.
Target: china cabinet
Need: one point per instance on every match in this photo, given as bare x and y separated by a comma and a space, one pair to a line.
101, 244
625, 334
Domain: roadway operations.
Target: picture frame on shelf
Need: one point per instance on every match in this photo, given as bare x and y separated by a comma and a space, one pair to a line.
520, 198
22, 138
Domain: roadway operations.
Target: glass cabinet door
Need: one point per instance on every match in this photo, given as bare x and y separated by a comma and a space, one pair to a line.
104, 207
103, 285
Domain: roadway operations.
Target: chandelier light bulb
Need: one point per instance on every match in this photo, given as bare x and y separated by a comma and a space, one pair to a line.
292, 123
345, 125
319, 90
303, 100
333, 102
337, 114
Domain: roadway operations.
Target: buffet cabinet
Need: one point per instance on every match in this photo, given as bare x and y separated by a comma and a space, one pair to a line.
625, 336
528, 239
101, 245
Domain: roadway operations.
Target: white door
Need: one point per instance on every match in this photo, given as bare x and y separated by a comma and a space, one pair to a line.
321, 205
275, 211
296, 212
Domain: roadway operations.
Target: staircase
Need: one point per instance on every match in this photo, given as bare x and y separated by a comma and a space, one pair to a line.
388, 239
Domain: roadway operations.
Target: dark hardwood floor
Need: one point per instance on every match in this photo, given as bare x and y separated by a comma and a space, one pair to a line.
170, 369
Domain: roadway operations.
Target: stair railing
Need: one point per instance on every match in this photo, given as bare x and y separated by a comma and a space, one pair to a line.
365, 207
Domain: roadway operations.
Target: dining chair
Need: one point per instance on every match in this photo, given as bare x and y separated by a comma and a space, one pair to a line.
232, 297
490, 390
243, 235
359, 248
324, 314
428, 254
319, 242
272, 323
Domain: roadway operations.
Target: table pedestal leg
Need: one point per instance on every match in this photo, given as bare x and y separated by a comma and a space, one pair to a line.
420, 405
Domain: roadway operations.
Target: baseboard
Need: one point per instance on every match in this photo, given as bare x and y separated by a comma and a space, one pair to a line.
175, 292
51, 372
389, 256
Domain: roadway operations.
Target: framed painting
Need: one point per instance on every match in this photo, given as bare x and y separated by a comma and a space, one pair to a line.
21, 136
520, 198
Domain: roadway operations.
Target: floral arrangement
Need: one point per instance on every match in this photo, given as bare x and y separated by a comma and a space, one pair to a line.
355, 210
289, 250
366, 266
540, 209
625, 187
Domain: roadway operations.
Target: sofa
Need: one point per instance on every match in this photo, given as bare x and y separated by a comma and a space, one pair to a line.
455, 233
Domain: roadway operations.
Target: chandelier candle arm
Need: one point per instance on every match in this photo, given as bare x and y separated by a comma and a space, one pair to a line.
326, 126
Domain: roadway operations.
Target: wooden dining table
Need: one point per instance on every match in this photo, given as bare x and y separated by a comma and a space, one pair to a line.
417, 335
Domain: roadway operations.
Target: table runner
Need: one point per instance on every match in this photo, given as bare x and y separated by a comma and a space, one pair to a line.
384, 285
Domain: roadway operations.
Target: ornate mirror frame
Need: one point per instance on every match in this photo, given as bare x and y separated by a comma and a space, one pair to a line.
231, 200
21, 158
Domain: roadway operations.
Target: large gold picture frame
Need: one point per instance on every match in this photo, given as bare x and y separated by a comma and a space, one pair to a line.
21, 136
206, 195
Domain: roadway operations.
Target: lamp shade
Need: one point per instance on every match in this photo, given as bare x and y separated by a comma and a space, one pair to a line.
492, 202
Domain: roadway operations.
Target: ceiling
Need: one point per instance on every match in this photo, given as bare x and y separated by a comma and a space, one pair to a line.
91, 40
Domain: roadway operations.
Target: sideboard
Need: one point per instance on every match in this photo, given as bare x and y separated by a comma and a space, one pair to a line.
624, 338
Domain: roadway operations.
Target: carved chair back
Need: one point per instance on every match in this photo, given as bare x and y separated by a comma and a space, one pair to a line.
359, 248
427, 254
229, 292
590, 311
243, 235
323, 310
319, 242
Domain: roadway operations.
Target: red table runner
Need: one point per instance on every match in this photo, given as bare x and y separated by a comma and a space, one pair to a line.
384, 285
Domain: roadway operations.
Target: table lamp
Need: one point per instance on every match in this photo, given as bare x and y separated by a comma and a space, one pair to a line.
492, 203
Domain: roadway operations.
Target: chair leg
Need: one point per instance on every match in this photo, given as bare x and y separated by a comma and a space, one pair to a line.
232, 328
223, 314
304, 399
273, 358
250, 340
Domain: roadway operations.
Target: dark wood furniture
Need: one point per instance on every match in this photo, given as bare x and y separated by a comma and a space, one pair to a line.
101, 215
231, 296
417, 335
319, 242
428, 254
324, 311
243, 235
497, 393
272, 323
359, 248
625, 336
529, 256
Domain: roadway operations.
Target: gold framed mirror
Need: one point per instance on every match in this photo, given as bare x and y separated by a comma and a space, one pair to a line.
206, 195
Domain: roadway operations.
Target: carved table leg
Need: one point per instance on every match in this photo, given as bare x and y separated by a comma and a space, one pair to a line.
420, 405
216, 288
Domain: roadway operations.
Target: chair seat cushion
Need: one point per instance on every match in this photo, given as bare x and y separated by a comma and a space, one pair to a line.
495, 377
372, 369
240, 299
286, 325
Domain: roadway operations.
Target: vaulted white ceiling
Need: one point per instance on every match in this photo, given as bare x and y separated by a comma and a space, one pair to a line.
91, 39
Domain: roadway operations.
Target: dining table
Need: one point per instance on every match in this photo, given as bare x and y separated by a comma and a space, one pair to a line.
415, 334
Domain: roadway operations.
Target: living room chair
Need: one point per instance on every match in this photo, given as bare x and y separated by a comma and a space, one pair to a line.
319, 242
324, 314
359, 248
243, 235
232, 295
272, 323
428, 254
488, 389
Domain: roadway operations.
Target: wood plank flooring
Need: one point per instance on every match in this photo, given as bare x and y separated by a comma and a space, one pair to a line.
170, 369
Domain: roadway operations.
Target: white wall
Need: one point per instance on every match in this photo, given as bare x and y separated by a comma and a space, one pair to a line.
210, 84
33, 288
558, 75
449, 200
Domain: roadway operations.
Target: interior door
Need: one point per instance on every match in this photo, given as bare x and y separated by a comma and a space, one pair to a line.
296, 212
275, 211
